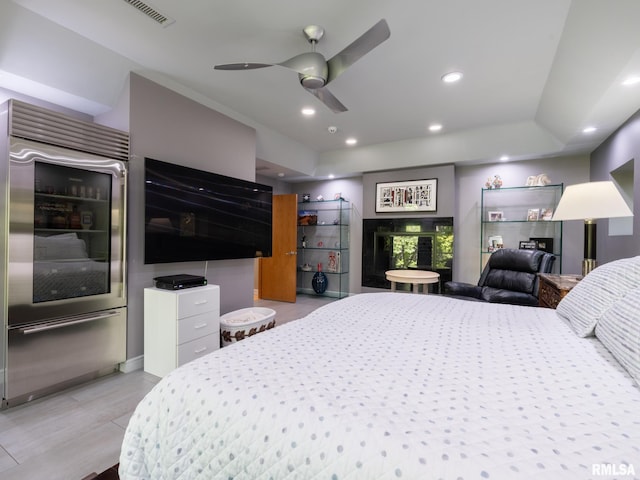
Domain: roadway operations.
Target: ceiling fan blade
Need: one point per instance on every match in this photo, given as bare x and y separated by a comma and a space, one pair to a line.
242, 66
326, 97
358, 48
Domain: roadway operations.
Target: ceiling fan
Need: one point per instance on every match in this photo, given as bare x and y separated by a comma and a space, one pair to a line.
314, 71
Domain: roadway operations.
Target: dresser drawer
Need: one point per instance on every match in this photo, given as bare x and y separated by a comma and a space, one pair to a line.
196, 301
549, 296
197, 348
197, 326
553, 288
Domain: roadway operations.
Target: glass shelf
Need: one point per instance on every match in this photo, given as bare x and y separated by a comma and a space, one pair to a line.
324, 223
515, 207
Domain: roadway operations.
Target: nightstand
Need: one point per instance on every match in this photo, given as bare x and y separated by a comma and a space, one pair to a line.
554, 287
179, 326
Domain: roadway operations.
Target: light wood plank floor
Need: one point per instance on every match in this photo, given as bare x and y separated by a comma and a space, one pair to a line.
68, 435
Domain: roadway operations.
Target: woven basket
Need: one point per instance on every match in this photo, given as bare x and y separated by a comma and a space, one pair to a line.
246, 322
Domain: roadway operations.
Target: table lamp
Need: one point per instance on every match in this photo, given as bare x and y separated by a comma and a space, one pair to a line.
588, 202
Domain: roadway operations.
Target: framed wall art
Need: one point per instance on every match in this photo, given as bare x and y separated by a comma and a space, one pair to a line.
409, 196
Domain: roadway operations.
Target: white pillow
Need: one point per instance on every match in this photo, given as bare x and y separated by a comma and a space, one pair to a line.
59, 247
598, 291
58, 236
619, 330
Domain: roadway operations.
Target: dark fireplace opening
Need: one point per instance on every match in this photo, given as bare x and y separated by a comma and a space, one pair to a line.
406, 243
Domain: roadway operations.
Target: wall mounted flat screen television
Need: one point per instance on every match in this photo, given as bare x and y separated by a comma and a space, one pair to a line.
193, 215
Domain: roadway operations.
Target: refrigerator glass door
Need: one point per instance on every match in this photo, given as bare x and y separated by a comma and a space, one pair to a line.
72, 224
66, 232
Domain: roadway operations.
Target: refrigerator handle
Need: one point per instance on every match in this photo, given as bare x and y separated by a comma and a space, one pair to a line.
65, 323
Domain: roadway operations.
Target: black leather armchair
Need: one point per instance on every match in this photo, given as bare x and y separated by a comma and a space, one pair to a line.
510, 276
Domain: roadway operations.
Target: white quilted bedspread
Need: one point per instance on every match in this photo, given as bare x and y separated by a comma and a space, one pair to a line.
394, 386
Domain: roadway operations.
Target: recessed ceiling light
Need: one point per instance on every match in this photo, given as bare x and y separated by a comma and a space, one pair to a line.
435, 127
452, 77
632, 80
331, 175
308, 111
504, 158
588, 130
351, 141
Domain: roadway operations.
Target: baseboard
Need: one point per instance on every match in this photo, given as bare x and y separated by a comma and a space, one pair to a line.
132, 364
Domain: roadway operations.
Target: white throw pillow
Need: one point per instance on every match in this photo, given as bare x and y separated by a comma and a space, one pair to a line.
619, 330
597, 292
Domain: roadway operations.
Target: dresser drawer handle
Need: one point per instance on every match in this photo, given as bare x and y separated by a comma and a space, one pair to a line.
200, 350
202, 325
201, 302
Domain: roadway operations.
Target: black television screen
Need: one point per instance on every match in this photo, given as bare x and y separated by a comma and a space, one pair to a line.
193, 215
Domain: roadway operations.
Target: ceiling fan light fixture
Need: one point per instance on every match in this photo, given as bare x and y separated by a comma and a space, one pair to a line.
312, 82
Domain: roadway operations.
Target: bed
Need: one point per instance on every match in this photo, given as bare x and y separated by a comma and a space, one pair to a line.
398, 385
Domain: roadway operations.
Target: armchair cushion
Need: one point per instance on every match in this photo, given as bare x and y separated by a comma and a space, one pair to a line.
510, 280
462, 289
499, 295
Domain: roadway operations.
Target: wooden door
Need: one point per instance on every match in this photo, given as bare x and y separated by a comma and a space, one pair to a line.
278, 273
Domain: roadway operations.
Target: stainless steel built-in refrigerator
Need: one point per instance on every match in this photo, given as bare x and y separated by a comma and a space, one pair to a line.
64, 251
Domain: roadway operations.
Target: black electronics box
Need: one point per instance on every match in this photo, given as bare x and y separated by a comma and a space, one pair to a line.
178, 282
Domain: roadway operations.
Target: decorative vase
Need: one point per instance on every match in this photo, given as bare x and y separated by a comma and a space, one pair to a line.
319, 281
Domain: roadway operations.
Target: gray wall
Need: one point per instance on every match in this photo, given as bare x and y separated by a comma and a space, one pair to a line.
621, 147
170, 127
279, 187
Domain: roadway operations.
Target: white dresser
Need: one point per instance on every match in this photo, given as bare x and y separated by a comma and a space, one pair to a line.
179, 326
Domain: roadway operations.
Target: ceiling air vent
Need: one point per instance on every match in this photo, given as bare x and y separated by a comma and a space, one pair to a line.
151, 12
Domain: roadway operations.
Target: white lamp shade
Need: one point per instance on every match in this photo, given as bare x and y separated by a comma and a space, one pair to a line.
588, 201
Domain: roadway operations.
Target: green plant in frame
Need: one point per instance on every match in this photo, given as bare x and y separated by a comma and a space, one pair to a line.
405, 251
402, 248
443, 248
